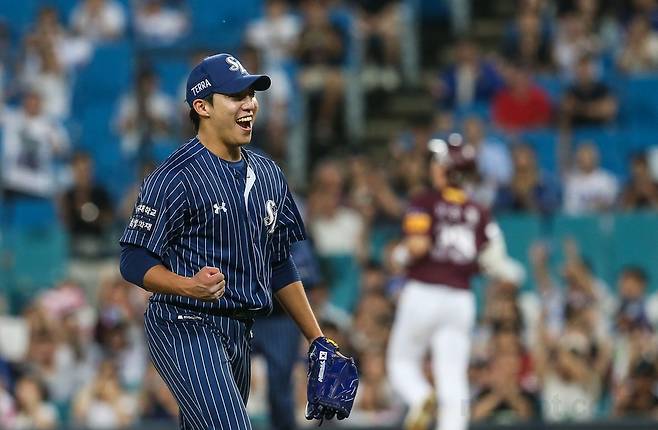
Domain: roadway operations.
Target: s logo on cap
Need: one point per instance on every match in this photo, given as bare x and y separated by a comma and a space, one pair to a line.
235, 65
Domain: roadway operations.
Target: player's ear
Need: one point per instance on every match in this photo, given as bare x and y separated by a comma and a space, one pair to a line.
201, 108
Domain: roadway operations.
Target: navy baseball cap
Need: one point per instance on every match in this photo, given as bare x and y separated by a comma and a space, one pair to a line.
223, 74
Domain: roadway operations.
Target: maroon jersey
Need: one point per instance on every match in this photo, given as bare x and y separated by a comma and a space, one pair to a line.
458, 229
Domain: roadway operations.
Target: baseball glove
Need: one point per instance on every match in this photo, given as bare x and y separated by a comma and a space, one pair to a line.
332, 381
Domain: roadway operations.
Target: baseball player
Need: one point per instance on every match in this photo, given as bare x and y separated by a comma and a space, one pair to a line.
210, 237
448, 238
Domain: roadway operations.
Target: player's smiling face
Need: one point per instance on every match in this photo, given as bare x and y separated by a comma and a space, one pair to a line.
233, 116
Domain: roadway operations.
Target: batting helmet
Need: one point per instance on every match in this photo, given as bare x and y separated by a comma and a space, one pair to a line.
456, 156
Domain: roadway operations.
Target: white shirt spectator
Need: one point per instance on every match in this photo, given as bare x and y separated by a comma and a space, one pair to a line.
160, 108
566, 401
99, 20
274, 35
30, 147
159, 24
339, 234
48, 78
589, 192
46, 413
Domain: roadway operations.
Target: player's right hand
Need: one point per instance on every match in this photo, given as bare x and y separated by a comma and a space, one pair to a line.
208, 284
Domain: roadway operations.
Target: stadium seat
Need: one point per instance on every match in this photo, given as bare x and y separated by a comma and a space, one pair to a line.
219, 25
553, 85
634, 240
172, 72
342, 274
93, 82
28, 213
38, 258
639, 138
19, 15
521, 231
637, 99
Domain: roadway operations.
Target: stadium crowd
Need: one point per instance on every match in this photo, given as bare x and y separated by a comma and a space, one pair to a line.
553, 342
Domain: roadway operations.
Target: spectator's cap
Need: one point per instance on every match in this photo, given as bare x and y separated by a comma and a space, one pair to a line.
222, 74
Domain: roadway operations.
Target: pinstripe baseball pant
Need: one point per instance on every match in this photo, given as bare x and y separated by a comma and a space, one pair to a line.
205, 361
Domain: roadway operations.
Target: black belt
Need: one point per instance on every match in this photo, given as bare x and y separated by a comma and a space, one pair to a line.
239, 314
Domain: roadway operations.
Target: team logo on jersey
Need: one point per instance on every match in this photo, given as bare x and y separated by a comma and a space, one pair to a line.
217, 207
270, 219
235, 65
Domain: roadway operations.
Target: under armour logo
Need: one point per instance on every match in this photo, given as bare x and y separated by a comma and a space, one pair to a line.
235, 65
216, 207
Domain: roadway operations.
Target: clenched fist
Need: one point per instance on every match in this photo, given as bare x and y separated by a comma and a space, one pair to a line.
208, 284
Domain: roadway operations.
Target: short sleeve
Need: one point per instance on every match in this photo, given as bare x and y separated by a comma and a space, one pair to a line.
157, 217
290, 227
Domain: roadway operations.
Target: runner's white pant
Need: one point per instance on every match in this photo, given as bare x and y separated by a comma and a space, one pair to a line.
440, 318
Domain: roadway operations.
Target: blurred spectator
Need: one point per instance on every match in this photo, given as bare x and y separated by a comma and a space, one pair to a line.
34, 412
272, 128
570, 385
31, 145
99, 20
371, 194
408, 151
372, 321
573, 41
633, 328
648, 8
321, 52
572, 361
588, 188
127, 204
640, 51
380, 23
587, 300
528, 40
157, 23
588, 101
546, 304
641, 190
469, 80
86, 210
521, 104
52, 362
146, 116
103, 404
7, 409
530, 189
70, 50
337, 232
156, 403
275, 34
504, 399
118, 331
494, 163
375, 403
637, 398
50, 82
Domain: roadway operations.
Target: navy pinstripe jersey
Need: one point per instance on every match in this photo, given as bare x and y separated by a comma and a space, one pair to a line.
196, 210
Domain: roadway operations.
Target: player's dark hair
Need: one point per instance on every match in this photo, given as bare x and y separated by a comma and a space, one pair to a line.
194, 117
